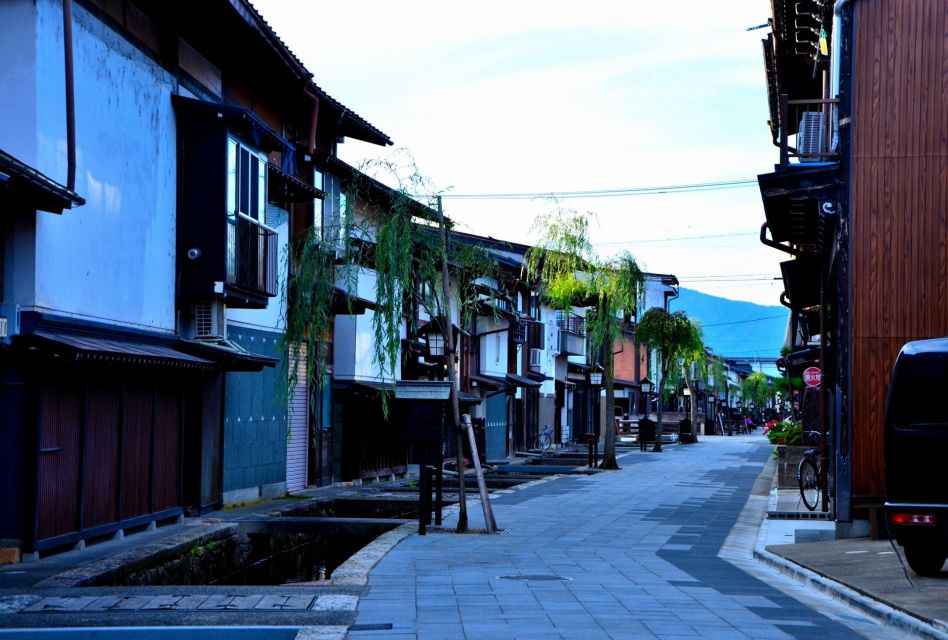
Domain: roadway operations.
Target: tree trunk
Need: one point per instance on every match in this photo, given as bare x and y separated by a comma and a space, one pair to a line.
693, 409
609, 446
658, 411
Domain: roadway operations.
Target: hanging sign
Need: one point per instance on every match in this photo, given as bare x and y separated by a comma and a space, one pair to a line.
812, 376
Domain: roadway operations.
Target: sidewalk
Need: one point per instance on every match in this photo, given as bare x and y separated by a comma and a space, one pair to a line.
628, 554
870, 575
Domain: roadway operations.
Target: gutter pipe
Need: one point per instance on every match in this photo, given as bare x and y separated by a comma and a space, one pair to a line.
70, 98
307, 89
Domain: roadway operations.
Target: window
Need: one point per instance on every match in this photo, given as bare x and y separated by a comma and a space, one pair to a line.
246, 181
318, 204
334, 206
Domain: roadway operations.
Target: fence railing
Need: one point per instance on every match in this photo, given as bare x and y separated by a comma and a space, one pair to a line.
252, 256
817, 137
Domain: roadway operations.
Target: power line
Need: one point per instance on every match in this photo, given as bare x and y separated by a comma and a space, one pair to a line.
674, 238
607, 193
721, 324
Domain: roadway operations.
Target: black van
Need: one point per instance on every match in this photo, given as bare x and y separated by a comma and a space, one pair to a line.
916, 454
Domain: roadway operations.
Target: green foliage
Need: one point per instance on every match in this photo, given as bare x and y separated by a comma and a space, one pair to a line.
673, 335
563, 254
757, 390
307, 294
789, 432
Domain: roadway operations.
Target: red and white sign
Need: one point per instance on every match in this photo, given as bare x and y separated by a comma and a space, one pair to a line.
812, 376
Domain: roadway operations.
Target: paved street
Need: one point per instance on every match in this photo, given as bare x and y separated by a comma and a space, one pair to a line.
632, 554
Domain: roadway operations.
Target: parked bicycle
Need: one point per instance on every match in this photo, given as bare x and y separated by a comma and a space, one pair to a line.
544, 441
809, 473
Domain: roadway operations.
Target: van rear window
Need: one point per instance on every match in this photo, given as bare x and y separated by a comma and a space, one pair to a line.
918, 391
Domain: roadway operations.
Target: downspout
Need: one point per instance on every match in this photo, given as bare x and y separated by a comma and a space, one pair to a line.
70, 98
312, 128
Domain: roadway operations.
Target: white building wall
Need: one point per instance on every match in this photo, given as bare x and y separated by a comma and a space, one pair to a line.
18, 82
493, 347
114, 258
354, 338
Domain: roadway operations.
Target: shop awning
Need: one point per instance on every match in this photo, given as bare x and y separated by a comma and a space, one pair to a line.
489, 382
21, 184
800, 203
285, 187
89, 348
408, 389
801, 279
468, 399
345, 304
521, 381
228, 354
238, 119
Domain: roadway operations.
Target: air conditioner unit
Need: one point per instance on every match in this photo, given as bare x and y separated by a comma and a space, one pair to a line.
535, 355
810, 137
209, 321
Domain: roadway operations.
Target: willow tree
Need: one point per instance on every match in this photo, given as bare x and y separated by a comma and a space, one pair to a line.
756, 388
691, 354
409, 247
570, 275
671, 335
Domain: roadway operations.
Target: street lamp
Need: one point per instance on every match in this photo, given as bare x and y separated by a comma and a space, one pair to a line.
435, 342
645, 385
595, 376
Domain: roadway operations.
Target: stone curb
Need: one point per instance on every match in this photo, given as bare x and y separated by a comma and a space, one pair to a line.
111, 567
874, 608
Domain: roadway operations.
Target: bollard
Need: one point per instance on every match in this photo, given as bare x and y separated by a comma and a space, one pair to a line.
424, 499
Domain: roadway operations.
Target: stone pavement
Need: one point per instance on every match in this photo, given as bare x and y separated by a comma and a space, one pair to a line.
628, 554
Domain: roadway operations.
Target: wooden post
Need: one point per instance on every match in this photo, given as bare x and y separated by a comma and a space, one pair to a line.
489, 523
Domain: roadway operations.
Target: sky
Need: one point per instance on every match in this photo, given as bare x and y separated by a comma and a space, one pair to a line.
539, 97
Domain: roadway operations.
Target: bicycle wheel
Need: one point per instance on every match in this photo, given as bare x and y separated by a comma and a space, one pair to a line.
546, 442
809, 482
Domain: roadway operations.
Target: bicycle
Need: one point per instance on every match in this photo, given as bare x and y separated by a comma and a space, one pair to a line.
808, 475
544, 441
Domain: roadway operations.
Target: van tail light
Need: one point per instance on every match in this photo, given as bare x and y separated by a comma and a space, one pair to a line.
925, 519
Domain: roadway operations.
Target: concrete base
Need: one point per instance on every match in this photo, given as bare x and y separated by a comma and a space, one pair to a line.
275, 490
854, 529
240, 496
813, 535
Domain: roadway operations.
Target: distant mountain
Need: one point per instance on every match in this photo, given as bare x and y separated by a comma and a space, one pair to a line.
732, 327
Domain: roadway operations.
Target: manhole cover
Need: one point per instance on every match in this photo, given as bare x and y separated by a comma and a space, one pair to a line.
531, 577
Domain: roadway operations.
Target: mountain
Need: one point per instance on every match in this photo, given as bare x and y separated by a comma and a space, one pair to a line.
732, 327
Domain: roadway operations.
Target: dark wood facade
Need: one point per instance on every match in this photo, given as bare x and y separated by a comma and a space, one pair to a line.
866, 222
898, 204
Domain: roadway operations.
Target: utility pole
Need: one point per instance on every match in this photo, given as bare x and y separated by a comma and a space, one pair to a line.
448, 333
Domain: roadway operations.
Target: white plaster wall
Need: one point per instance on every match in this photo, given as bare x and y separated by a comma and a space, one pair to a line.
18, 91
114, 258
354, 338
354, 349
550, 351
493, 347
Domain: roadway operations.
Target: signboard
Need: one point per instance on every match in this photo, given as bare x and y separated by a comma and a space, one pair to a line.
812, 376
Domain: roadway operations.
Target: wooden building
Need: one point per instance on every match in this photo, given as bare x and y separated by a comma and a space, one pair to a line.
859, 201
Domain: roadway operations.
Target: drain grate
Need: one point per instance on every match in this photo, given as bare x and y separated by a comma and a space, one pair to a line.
798, 515
385, 626
533, 577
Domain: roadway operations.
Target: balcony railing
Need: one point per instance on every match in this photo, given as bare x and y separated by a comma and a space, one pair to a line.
817, 137
252, 255
571, 323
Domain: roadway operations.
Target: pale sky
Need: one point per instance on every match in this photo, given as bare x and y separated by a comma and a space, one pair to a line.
500, 97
